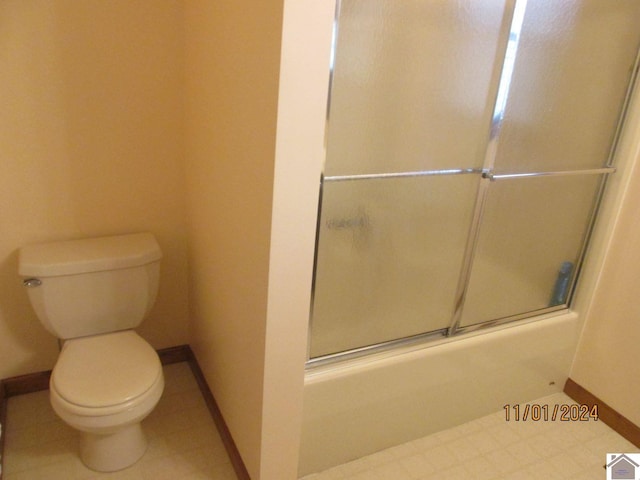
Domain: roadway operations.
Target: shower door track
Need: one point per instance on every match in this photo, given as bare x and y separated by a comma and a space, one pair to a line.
423, 339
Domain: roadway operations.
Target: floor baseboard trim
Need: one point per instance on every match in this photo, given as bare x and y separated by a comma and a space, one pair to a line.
623, 426
35, 382
3, 422
176, 354
212, 405
29, 383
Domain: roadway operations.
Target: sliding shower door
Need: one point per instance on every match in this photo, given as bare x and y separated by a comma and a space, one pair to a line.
404, 157
467, 146
564, 90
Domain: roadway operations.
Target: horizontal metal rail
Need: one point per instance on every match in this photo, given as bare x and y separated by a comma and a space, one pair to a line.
419, 173
464, 171
504, 176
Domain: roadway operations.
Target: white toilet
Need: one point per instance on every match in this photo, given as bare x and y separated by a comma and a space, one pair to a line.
91, 293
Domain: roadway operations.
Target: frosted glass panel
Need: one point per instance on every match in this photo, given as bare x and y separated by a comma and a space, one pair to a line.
389, 255
572, 69
412, 84
444, 86
532, 229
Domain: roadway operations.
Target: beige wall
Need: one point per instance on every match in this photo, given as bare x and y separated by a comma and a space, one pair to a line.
606, 362
90, 144
232, 60
252, 191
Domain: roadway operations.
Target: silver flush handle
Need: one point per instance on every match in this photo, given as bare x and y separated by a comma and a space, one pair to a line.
32, 282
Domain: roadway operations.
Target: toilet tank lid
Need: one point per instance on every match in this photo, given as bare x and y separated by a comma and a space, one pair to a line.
88, 255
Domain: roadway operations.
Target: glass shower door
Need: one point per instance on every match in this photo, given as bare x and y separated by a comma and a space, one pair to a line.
405, 147
567, 87
467, 147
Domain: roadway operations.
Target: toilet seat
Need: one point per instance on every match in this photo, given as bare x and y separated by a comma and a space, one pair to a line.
104, 374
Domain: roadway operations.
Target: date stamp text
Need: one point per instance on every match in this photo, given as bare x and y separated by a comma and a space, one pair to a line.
550, 413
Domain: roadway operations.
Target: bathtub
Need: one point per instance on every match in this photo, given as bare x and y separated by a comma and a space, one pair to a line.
358, 407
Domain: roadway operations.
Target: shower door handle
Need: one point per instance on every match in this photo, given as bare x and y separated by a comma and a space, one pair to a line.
561, 173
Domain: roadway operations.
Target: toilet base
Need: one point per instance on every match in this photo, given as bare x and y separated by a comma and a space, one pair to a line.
114, 451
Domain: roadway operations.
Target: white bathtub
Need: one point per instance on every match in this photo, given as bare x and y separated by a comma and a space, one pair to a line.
365, 405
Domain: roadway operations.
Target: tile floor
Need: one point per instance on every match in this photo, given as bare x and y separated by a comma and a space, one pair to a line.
183, 440
184, 444
492, 448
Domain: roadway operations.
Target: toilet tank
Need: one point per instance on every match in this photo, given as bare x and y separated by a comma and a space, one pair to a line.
94, 285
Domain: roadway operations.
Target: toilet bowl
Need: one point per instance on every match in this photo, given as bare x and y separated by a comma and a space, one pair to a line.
91, 293
104, 386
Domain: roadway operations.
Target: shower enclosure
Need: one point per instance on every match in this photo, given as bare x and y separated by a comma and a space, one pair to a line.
468, 145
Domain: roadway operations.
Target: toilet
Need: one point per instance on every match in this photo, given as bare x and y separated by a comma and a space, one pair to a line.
91, 293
